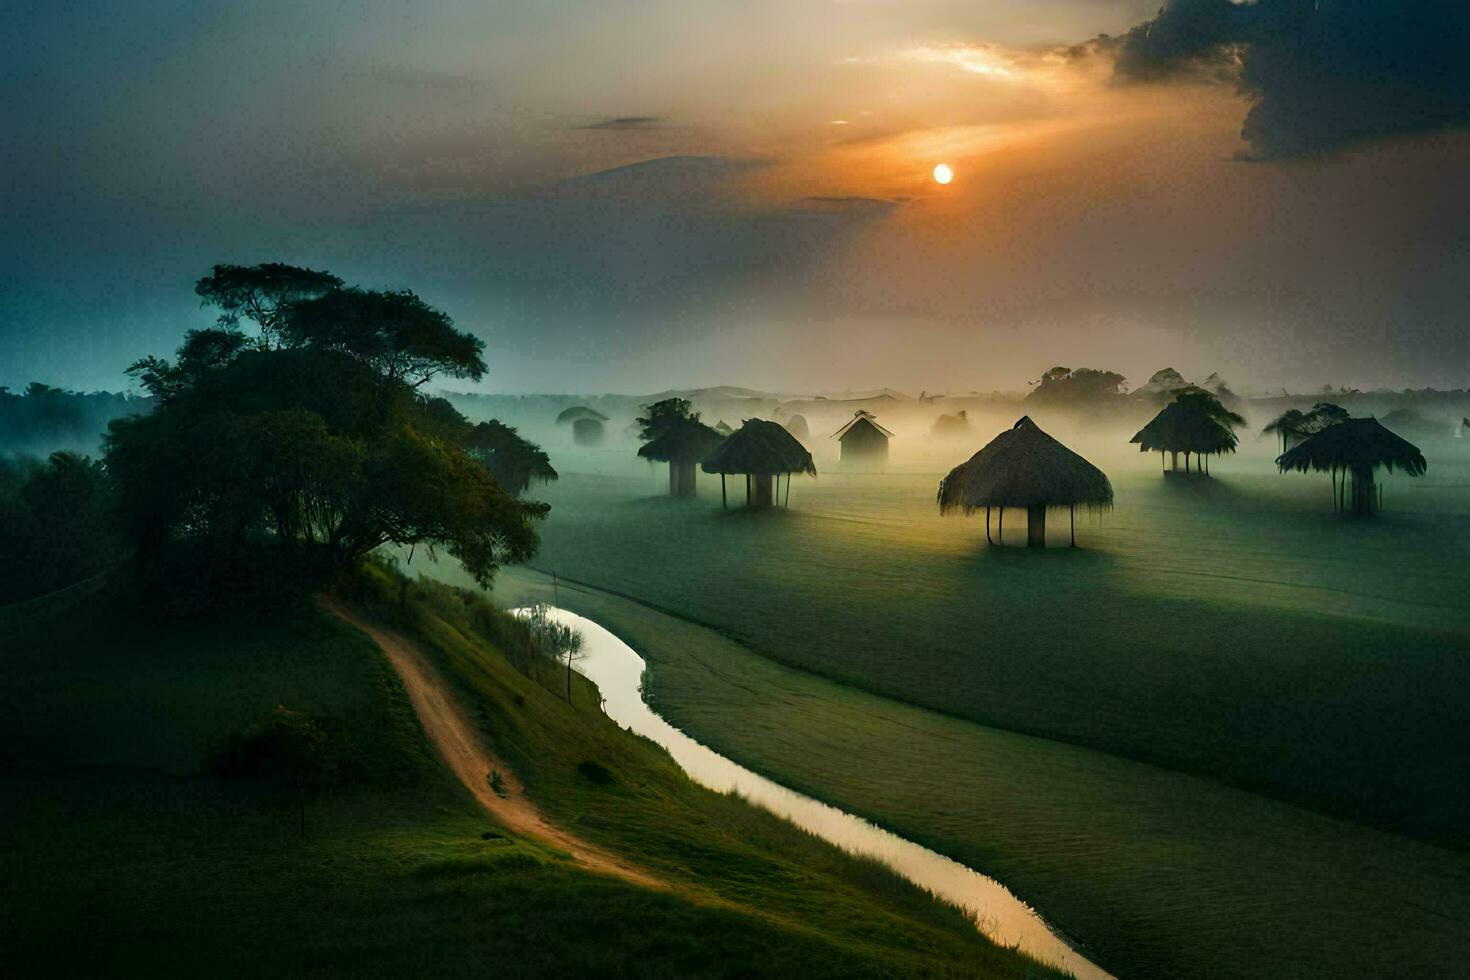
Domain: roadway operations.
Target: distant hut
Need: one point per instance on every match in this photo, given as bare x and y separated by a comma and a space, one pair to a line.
1186, 426
950, 426
683, 443
796, 425
723, 428
586, 424
863, 439
1025, 467
1354, 448
1412, 425
760, 450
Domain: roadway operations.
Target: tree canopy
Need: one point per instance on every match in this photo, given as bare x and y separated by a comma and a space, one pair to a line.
261, 294
664, 415
1062, 385
318, 445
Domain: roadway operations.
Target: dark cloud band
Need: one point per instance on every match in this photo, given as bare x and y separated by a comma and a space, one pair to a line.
1320, 73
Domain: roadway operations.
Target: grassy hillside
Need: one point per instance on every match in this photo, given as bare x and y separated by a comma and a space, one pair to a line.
123, 856
1161, 874
1235, 629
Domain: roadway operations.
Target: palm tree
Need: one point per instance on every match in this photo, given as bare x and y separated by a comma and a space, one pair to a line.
1290, 427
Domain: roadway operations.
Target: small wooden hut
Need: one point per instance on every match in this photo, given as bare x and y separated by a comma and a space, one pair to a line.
684, 443
1354, 448
796, 425
1025, 467
760, 451
863, 440
586, 424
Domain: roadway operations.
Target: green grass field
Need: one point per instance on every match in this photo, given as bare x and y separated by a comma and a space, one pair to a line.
1248, 717
1232, 629
121, 857
1160, 874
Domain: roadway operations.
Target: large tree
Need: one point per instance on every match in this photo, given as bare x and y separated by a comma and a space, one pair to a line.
318, 447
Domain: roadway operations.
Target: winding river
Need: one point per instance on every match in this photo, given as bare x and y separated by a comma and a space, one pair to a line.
613, 666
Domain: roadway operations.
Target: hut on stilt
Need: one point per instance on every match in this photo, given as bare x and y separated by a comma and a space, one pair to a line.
1354, 448
1025, 467
586, 424
863, 440
760, 451
1192, 425
683, 444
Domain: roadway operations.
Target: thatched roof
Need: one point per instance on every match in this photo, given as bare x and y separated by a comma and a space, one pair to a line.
580, 412
1357, 444
1024, 467
862, 418
723, 427
1180, 427
683, 441
759, 446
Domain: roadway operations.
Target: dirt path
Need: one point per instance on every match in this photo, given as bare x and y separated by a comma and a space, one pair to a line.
465, 752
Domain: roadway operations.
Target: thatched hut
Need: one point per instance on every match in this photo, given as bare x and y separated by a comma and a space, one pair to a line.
796, 425
683, 443
1186, 426
723, 428
863, 440
1025, 467
759, 450
586, 424
1356, 447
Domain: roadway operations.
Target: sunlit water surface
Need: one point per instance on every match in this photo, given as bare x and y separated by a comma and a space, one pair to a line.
618, 672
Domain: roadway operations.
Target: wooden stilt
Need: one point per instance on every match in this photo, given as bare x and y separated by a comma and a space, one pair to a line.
1072, 516
987, 526
724, 503
788, 491
1000, 526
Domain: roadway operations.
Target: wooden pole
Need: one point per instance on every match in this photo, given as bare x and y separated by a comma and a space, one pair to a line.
1072, 516
987, 526
1000, 527
724, 504
788, 491
1036, 527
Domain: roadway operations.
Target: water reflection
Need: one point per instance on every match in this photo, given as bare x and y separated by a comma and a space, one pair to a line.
618, 672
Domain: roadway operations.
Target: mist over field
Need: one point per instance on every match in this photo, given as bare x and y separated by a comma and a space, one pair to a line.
789, 488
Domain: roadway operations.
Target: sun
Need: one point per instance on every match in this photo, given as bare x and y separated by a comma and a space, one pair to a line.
943, 174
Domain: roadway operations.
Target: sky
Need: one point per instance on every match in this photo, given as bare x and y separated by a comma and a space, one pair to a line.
646, 195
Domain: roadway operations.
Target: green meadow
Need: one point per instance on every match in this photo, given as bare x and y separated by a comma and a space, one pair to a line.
1226, 733
125, 854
